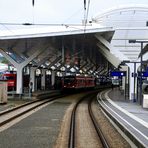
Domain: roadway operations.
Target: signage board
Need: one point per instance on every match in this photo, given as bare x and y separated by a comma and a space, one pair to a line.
144, 74
118, 73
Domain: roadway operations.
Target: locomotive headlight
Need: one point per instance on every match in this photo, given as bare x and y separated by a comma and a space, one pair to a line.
11, 82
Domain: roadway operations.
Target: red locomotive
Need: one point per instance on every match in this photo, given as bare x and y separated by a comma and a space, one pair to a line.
11, 80
78, 82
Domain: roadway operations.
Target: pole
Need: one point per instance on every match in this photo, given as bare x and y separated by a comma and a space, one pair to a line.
134, 100
63, 57
141, 61
125, 87
141, 74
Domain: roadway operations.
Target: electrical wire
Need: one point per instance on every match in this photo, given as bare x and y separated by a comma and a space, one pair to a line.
75, 25
6, 28
35, 24
77, 12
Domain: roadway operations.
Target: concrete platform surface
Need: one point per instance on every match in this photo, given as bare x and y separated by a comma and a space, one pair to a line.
129, 116
132, 107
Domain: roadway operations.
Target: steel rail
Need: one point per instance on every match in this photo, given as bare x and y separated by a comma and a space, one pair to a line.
22, 105
71, 142
27, 110
97, 127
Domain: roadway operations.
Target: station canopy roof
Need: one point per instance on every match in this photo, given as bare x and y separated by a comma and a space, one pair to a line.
58, 47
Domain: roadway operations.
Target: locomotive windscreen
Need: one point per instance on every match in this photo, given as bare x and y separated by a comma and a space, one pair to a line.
68, 79
8, 78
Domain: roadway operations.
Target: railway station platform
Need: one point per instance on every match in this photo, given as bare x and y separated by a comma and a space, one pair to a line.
130, 116
133, 107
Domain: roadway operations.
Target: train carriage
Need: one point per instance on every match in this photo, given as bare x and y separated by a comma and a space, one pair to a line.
77, 82
89, 82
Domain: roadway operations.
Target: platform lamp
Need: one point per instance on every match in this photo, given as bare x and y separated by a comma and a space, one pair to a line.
141, 60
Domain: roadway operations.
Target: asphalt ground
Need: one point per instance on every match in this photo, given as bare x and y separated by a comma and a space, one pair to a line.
39, 130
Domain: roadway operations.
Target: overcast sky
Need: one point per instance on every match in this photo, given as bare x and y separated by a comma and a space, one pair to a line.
55, 11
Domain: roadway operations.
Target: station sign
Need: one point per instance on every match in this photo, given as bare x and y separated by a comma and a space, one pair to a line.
118, 73
144, 74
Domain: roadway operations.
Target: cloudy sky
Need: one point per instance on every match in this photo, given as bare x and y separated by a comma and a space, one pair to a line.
55, 11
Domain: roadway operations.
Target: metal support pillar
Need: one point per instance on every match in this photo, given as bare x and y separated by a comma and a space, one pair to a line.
19, 88
131, 85
63, 50
134, 100
133, 81
32, 77
19, 67
141, 97
141, 62
125, 81
43, 79
53, 79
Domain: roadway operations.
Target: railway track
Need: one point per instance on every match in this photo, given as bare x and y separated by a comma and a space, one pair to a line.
14, 113
98, 129
72, 134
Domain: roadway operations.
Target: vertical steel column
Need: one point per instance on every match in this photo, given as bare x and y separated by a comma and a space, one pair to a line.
43, 79
32, 77
134, 100
141, 74
63, 51
53, 73
19, 86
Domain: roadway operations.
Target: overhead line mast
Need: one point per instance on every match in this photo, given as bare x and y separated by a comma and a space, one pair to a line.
86, 10
33, 3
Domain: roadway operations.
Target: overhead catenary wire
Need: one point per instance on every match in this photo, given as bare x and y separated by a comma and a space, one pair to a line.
74, 14
36, 24
28, 25
6, 27
73, 25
